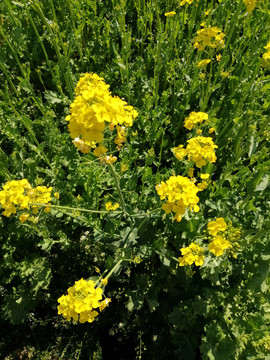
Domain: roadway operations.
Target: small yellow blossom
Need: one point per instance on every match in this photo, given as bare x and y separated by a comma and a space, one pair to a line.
203, 63
202, 76
170, 14
204, 176
199, 132
191, 172
100, 150
124, 167
24, 217
251, 4
218, 245
81, 145
110, 206
218, 57
224, 74
192, 254
109, 159
209, 36
217, 226
104, 282
184, 2
47, 209
211, 130
56, 195
202, 186
195, 118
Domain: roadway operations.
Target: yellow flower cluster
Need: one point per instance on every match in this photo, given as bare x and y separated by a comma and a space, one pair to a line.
218, 243
120, 138
82, 301
209, 36
266, 56
184, 2
19, 193
170, 14
110, 206
251, 4
192, 254
92, 107
194, 118
180, 193
199, 149
203, 63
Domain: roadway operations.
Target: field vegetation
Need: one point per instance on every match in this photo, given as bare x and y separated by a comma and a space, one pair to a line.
134, 179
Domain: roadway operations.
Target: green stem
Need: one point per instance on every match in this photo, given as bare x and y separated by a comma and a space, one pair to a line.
122, 201
73, 209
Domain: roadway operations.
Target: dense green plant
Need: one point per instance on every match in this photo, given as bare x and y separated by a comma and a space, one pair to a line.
219, 310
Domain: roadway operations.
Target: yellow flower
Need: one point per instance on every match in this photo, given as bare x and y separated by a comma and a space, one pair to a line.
100, 150
251, 4
209, 36
56, 195
224, 74
214, 227
170, 14
124, 167
109, 159
199, 149
204, 176
110, 206
104, 282
195, 118
92, 107
218, 57
24, 217
81, 301
191, 172
202, 76
20, 193
81, 145
218, 245
192, 254
180, 193
211, 130
199, 132
203, 63
184, 2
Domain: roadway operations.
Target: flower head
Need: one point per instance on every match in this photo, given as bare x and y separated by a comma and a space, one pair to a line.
195, 118
92, 108
193, 254
82, 302
180, 194
209, 36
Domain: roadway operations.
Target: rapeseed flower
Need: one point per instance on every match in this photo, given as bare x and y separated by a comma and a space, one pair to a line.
184, 2
200, 150
110, 206
193, 254
209, 36
251, 4
170, 14
180, 194
19, 194
203, 63
92, 108
82, 302
195, 118
265, 61
217, 226
218, 245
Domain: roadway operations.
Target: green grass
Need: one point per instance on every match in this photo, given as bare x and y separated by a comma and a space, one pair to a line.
158, 309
